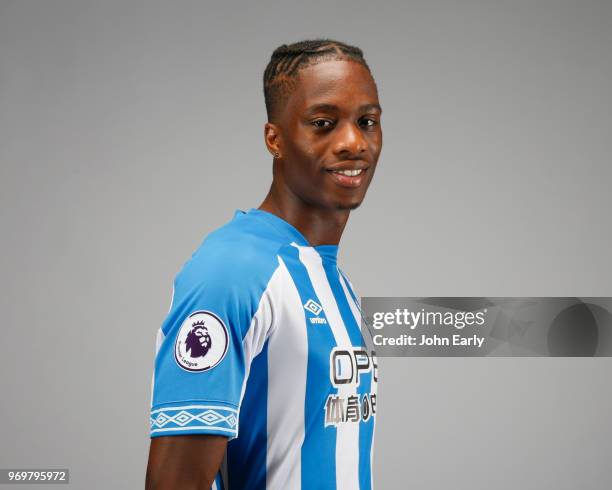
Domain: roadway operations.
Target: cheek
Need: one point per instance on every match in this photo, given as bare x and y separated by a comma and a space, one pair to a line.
303, 146
305, 159
376, 144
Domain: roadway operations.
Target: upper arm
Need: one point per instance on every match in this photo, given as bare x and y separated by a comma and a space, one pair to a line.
186, 462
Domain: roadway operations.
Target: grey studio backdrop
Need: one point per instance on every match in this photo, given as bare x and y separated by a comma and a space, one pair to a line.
130, 130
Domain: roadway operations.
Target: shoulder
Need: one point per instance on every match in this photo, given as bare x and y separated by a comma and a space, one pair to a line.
228, 274
236, 253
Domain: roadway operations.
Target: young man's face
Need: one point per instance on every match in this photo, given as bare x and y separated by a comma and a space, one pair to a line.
331, 123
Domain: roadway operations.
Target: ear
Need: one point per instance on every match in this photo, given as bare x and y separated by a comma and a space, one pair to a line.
272, 139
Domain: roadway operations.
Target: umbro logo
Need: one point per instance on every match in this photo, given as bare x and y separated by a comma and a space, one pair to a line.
316, 319
313, 306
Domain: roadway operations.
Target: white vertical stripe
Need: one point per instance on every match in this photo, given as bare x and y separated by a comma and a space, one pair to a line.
258, 330
373, 385
350, 300
214, 485
287, 367
347, 435
256, 336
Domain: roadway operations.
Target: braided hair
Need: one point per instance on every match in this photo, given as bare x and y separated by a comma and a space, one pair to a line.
280, 76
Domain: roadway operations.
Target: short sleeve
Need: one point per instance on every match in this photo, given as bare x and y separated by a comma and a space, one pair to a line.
218, 322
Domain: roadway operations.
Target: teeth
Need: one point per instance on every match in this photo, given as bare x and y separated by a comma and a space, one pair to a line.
349, 173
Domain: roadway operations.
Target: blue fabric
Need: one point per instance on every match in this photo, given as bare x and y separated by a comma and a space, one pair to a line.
227, 276
218, 291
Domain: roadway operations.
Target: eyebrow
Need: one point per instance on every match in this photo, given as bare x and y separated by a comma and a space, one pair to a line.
331, 108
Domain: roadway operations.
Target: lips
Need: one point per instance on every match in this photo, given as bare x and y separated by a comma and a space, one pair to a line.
348, 165
350, 177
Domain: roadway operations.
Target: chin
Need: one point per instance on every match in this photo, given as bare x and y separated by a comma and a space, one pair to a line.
344, 206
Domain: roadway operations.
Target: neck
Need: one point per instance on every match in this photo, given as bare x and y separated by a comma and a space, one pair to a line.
320, 226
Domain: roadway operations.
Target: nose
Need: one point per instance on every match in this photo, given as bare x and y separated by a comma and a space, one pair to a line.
350, 140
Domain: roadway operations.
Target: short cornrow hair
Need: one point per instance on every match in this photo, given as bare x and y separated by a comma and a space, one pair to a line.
280, 76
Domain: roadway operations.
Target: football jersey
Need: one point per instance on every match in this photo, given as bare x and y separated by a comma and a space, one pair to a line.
263, 344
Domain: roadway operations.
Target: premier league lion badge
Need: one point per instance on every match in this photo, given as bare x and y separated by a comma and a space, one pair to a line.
201, 342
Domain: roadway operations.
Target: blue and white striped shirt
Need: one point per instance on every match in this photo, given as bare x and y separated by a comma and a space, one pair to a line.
263, 344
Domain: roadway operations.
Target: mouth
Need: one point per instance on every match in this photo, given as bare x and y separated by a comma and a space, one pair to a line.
348, 177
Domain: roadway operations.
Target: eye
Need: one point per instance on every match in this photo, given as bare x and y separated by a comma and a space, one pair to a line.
368, 122
322, 123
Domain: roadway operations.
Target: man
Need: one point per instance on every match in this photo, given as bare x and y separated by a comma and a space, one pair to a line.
262, 378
